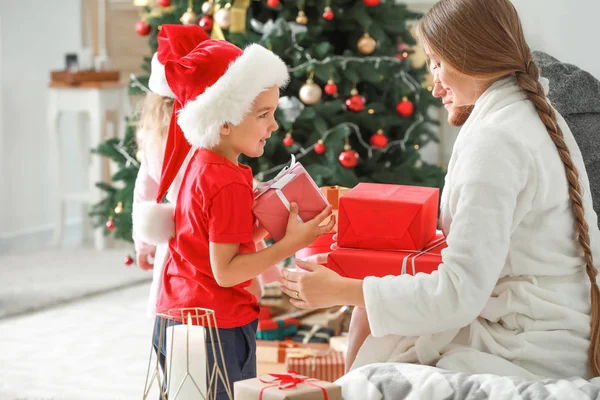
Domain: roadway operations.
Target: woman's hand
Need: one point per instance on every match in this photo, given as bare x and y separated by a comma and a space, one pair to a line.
303, 234
319, 287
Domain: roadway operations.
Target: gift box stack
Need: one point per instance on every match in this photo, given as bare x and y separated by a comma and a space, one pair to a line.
387, 230
299, 341
308, 331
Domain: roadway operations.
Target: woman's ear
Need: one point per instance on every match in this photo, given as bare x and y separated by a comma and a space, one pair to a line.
225, 129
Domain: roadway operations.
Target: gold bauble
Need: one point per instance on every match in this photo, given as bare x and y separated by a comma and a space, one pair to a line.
301, 19
119, 208
366, 44
208, 8
139, 155
310, 92
189, 17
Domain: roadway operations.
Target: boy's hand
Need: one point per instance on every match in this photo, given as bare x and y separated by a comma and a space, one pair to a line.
304, 234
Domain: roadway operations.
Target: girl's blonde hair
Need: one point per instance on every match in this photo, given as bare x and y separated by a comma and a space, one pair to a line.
484, 39
155, 117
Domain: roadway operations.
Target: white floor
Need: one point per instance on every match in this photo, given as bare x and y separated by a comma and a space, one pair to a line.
94, 349
38, 279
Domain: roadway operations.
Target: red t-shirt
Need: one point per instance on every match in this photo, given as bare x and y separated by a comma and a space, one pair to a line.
214, 205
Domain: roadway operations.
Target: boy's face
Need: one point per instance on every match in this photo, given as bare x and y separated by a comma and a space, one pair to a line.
250, 136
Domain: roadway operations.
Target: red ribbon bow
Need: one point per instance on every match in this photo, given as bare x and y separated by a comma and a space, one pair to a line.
289, 381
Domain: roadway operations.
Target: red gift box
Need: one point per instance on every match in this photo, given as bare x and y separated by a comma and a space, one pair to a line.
272, 199
387, 217
358, 263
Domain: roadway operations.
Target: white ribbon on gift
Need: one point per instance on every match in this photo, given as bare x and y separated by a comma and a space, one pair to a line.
278, 183
414, 255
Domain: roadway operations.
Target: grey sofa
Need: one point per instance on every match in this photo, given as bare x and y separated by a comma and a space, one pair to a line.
576, 96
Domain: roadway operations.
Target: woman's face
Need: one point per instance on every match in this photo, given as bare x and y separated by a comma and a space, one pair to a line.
465, 89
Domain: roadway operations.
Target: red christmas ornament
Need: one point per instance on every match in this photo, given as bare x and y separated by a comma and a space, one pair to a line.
372, 3
142, 28
206, 23
320, 147
328, 14
163, 3
348, 158
110, 224
355, 103
272, 3
331, 87
128, 261
288, 140
379, 139
405, 108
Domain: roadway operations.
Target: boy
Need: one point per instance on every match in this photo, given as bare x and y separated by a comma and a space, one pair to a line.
225, 104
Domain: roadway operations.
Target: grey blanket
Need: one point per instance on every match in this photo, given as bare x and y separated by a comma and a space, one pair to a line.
394, 381
576, 96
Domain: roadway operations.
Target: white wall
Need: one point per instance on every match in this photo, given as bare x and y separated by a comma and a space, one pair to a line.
567, 30
34, 37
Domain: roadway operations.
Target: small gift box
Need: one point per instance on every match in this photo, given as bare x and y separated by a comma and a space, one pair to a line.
273, 351
313, 334
272, 199
358, 264
387, 217
333, 194
288, 386
321, 245
269, 329
326, 366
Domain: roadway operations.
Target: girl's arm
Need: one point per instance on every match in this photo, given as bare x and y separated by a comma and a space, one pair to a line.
145, 189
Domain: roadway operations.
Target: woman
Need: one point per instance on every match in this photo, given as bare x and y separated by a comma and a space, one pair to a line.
516, 292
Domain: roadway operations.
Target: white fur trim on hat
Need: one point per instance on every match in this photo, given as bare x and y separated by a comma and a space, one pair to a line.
232, 96
158, 81
154, 223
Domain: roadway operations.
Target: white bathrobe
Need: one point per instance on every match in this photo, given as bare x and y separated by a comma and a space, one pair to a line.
511, 296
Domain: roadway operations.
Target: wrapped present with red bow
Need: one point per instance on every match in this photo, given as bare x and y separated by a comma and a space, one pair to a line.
290, 386
269, 329
387, 217
272, 199
358, 263
323, 365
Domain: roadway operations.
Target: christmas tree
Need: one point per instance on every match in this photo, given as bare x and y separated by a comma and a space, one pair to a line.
354, 111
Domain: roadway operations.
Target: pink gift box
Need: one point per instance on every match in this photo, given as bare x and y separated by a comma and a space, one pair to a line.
272, 199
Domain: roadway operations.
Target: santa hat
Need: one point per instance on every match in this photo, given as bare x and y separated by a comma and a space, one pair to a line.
216, 83
174, 42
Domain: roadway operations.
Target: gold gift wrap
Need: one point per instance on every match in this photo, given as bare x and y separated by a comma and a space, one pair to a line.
285, 387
